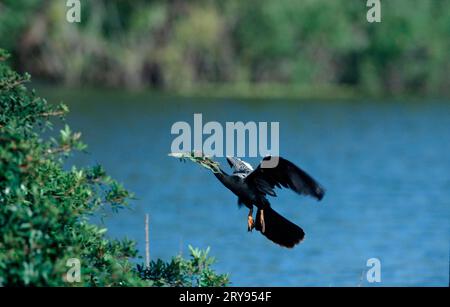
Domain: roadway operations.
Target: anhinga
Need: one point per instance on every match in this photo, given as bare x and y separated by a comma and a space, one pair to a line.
251, 186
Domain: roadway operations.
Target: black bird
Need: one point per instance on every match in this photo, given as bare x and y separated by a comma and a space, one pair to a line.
253, 185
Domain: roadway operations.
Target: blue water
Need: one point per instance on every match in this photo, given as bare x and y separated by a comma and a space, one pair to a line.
385, 167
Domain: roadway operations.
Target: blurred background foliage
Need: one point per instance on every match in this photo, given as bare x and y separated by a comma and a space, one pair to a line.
297, 48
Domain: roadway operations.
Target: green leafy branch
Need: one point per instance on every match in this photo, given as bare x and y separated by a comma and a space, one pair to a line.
200, 159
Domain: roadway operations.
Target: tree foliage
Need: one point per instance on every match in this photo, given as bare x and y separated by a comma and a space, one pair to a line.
189, 45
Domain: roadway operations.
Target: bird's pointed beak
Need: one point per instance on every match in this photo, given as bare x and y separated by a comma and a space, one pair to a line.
230, 161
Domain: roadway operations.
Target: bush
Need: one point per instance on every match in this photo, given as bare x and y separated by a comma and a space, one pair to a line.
44, 208
178, 272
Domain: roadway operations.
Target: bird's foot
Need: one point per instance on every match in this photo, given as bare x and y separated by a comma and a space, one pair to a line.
263, 224
250, 221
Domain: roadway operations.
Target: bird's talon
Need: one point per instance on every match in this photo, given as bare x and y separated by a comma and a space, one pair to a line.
263, 224
250, 222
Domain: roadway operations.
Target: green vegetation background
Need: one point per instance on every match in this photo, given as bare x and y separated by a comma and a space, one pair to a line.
247, 48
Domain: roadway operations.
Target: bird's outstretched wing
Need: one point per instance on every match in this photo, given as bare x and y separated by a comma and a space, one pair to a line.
284, 174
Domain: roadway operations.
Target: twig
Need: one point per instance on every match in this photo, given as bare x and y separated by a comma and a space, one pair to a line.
147, 243
53, 113
198, 158
7, 87
64, 148
361, 280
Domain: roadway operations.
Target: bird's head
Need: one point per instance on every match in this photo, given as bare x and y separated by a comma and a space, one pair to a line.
232, 161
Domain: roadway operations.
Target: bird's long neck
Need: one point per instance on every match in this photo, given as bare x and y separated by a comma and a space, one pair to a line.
223, 177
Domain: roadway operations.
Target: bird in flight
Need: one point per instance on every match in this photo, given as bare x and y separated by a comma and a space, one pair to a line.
252, 186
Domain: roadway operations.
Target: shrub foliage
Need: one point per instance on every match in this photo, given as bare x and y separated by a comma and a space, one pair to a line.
195, 272
44, 208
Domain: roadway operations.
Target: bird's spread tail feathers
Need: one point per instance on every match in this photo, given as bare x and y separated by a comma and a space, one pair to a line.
278, 229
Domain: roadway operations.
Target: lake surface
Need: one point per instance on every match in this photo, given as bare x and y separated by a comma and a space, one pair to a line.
385, 167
